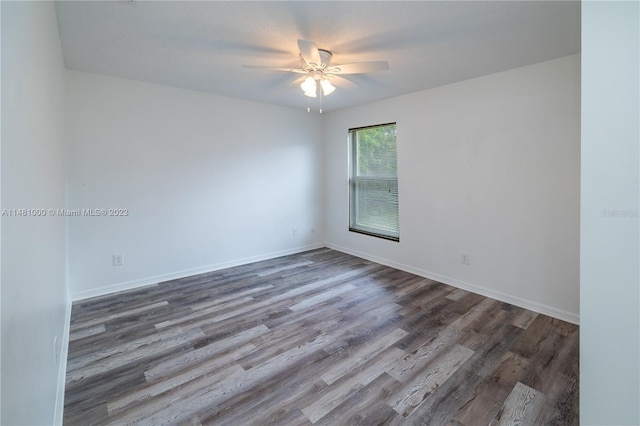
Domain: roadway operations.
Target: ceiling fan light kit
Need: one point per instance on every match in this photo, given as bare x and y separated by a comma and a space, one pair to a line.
327, 87
308, 86
316, 65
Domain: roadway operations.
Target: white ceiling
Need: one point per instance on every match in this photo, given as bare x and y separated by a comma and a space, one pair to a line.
203, 45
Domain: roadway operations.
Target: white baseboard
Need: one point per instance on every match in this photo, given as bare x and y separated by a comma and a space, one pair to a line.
571, 317
129, 285
62, 367
551, 311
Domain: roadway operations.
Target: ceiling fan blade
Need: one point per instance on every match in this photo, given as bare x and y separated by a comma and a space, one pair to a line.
297, 82
342, 82
359, 67
309, 52
259, 67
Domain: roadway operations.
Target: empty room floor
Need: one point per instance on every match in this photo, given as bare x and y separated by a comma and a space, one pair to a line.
319, 337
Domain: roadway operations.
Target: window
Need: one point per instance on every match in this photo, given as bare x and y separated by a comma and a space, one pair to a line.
373, 184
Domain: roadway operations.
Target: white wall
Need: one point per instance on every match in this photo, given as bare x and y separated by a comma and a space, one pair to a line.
610, 240
489, 167
34, 291
208, 181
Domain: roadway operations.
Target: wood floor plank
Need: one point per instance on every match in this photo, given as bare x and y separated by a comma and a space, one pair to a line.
176, 380
482, 405
108, 352
331, 399
363, 355
412, 362
94, 415
269, 348
429, 378
457, 294
275, 396
277, 269
209, 303
178, 363
322, 297
520, 408
363, 408
172, 406
86, 332
219, 391
525, 319
448, 398
202, 314
111, 317
319, 337
114, 361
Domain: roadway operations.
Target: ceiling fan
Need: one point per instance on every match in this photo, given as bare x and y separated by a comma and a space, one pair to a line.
319, 73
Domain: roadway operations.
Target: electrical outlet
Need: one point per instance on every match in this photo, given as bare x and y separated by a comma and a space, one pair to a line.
464, 259
295, 231
118, 260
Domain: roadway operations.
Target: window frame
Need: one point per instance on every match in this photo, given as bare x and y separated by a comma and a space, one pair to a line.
352, 138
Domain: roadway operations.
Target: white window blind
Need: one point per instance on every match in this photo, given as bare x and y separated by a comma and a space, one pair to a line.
373, 184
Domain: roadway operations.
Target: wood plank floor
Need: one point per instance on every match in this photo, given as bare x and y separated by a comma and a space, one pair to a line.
319, 337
